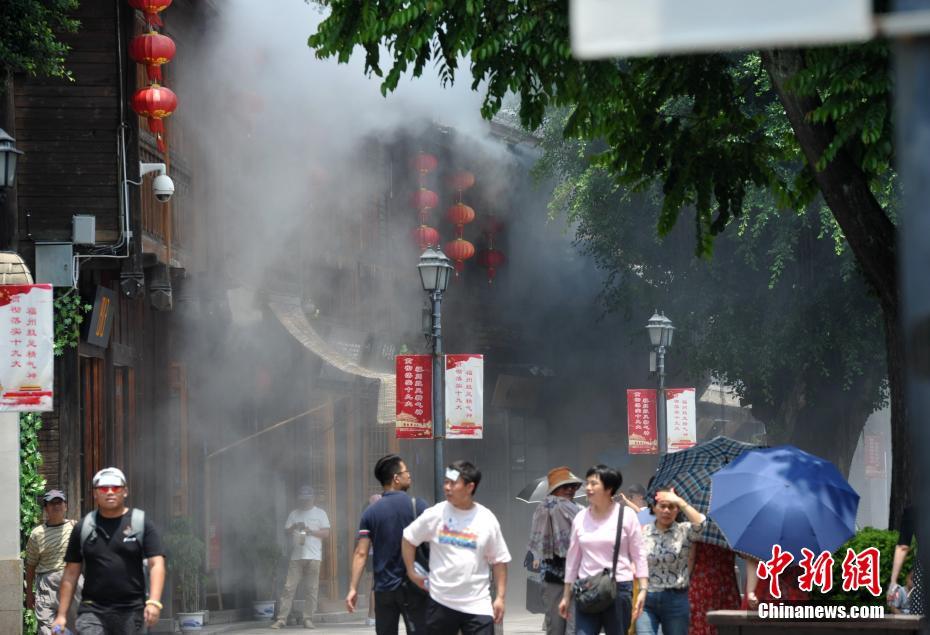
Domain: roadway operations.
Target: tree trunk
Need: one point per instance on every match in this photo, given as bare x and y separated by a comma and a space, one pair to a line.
871, 237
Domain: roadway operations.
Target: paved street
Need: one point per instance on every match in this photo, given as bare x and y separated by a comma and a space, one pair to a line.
517, 624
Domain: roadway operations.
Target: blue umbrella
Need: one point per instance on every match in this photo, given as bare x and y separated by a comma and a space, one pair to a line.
782, 496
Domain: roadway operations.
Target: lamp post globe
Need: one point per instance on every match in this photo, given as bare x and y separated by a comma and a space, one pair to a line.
8, 156
435, 269
661, 331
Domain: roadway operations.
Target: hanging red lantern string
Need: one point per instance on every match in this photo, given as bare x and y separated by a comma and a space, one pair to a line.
151, 9
459, 250
491, 259
424, 200
491, 226
152, 49
460, 215
155, 103
425, 236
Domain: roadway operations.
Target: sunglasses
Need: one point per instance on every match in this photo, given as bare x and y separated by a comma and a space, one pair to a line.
108, 489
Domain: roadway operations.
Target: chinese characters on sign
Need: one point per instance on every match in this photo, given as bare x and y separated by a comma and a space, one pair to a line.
414, 408
464, 396
26, 348
641, 421
860, 570
874, 456
681, 422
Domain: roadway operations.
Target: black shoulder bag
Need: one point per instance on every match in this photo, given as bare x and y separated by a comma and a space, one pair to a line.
597, 592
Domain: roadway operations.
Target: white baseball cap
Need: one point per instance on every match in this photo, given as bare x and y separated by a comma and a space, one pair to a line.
109, 476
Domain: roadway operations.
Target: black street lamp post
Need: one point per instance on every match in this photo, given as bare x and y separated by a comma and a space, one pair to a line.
435, 269
660, 331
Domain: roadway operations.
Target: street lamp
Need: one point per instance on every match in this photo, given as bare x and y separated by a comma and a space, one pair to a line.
435, 269
8, 156
660, 331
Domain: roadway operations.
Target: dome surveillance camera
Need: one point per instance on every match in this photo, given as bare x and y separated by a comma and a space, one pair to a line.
163, 187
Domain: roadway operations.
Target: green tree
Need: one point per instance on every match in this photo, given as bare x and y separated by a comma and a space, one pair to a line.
705, 129
29, 36
779, 311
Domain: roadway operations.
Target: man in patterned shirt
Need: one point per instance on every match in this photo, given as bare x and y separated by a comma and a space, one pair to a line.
45, 559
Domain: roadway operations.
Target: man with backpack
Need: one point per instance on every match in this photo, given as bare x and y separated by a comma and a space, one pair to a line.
381, 527
110, 546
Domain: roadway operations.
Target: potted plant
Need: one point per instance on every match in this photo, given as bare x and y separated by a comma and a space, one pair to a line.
265, 555
185, 563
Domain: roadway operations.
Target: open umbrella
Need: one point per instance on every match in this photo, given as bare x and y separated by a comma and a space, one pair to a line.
689, 472
783, 496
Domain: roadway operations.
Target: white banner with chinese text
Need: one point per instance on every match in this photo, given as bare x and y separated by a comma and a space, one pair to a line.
26, 348
464, 396
680, 419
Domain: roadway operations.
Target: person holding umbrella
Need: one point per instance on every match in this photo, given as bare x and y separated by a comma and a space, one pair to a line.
549, 540
668, 548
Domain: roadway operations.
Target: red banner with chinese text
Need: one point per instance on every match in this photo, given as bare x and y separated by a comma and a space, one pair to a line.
680, 419
414, 397
641, 421
464, 396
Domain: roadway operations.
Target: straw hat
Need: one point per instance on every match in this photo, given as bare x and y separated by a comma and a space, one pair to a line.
559, 476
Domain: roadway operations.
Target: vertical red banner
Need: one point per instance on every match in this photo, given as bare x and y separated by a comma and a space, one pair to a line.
641, 421
874, 456
414, 410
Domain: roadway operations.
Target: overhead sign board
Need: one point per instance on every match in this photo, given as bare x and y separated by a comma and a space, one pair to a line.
632, 28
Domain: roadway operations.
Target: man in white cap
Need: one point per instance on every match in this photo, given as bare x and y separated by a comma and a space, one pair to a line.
109, 545
306, 527
45, 559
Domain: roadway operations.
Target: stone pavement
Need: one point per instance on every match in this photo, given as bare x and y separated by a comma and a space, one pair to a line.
517, 624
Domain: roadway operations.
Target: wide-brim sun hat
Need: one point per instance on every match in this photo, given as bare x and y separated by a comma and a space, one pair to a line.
559, 476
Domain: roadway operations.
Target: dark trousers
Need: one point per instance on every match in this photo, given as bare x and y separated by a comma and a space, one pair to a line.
400, 603
110, 623
615, 619
441, 620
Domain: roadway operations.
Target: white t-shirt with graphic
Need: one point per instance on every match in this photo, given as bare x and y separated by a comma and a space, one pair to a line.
315, 519
463, 544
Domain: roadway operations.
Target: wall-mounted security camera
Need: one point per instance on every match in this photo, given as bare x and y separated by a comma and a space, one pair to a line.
162, 186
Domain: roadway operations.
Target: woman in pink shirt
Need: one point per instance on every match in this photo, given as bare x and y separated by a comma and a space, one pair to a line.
592, 547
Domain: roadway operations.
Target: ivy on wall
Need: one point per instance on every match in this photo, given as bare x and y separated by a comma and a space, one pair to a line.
69, 315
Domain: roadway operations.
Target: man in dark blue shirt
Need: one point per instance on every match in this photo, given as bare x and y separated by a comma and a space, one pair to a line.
382, 529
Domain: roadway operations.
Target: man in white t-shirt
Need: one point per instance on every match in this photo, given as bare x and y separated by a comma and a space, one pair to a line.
306, 527
466, 545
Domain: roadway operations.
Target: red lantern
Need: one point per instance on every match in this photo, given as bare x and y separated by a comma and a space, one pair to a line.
491, 226
424, 200
459, 250
460, 215
151, 9
426, 236
461, 180
152, 49
491, 259
424, 163
155, 103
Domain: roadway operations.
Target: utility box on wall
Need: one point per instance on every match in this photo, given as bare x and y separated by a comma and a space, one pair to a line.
55, 264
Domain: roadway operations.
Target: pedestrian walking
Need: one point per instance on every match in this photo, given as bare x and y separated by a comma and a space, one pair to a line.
466, 545
45, 560
668, 549
381, 530
111, 546
306, 527
713, 586
597, 533
550, 535
915, 598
